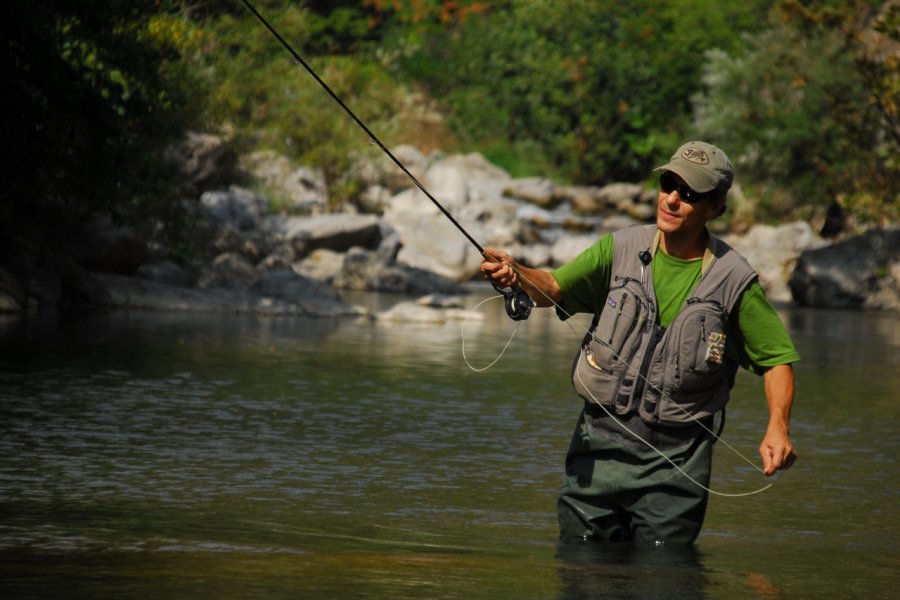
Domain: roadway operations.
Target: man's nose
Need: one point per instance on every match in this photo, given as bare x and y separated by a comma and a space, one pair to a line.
673, 198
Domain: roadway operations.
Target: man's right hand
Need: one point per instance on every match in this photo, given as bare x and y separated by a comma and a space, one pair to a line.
499, 268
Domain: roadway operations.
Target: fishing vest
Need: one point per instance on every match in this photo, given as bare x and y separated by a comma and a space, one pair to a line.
669, 376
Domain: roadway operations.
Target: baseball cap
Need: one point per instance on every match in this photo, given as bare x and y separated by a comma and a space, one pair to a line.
703, 167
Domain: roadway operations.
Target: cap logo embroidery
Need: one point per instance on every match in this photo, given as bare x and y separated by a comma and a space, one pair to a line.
695, 155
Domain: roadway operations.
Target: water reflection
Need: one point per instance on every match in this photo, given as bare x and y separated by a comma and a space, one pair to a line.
624, 571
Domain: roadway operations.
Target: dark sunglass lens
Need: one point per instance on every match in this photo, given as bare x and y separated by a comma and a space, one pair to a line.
667, 185
666, 182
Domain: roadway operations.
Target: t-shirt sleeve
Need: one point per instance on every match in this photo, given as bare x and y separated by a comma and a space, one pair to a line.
760, 338
584, 282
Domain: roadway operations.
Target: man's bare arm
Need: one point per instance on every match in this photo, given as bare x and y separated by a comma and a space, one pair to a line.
776, 449
502, 270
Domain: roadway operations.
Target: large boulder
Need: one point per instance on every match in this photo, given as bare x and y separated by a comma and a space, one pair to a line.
773, 252
433, 244
464, 187
166, 271
228, 271
134, 293
338, 232
321, 264
378, 169
290, 286
536, 190
366, 270
301, 188
861, 272
203, 158
236, 206
417, 312
567, 248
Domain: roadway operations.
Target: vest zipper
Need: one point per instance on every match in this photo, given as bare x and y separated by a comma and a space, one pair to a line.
615, 326
645, 364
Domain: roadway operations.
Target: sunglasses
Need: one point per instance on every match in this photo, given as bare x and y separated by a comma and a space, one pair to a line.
668, 184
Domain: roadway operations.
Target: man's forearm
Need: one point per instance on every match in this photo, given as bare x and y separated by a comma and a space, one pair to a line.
539, 285
779, 389
777, 450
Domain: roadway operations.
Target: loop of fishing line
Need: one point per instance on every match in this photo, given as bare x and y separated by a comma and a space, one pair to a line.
669, 460
463, 335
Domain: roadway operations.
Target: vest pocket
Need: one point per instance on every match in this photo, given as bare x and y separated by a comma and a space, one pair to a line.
688, 382
603, 357
696, 355
592, 381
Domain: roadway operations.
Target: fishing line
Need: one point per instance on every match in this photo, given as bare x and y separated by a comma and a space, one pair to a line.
633, 434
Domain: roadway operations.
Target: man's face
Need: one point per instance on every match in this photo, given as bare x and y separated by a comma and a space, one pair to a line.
675, 215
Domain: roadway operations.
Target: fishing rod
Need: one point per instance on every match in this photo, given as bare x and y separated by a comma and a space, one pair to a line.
518, 304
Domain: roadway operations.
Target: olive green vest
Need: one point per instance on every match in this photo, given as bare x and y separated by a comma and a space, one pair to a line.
671, 376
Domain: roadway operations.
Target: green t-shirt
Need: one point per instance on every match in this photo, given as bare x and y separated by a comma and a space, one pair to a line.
756, 339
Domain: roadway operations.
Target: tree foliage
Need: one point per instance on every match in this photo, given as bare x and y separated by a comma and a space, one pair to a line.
95, 92
599, 89
270, 102
801, 93
809, 107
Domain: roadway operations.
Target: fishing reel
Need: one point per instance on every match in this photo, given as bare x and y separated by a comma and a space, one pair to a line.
517, 303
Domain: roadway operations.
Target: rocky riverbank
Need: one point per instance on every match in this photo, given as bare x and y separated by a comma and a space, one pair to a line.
392, 238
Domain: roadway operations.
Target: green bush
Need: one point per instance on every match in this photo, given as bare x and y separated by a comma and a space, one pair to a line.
798, 111
95, 94
271, 102
600, 88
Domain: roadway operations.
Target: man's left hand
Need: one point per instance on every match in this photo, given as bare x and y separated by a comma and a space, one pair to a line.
777, 451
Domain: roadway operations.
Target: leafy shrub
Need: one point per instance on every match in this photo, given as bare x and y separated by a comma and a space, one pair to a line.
601, 88
799, 112
95, 94
270, 102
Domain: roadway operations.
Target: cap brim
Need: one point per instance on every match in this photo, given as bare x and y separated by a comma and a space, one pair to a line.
696, 179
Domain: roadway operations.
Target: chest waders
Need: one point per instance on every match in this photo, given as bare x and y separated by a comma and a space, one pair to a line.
641, 384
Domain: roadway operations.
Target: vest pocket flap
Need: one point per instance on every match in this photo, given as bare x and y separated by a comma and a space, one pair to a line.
695, 357
606, 351
617, 329
686, 380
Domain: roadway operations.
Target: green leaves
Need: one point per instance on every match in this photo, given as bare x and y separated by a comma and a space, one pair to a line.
796, 106
602, 87
91, 109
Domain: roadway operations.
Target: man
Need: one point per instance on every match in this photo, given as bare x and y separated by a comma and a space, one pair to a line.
676, 311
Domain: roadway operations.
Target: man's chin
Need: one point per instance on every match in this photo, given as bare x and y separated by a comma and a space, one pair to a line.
666, 225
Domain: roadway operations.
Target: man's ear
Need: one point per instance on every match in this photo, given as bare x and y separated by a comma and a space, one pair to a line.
718, 210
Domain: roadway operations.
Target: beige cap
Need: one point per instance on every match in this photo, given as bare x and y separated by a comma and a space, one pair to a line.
703, 167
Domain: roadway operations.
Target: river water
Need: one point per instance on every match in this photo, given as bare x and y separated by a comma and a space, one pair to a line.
177, 456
